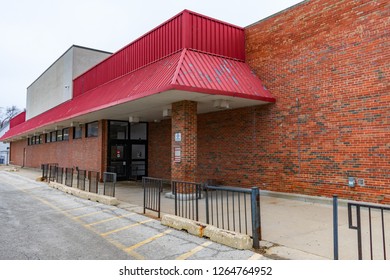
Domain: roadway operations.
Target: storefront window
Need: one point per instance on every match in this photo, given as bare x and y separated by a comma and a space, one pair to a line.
138, 131
65, 134
77, 132
119, 130
92, 129
53, 136
59, 135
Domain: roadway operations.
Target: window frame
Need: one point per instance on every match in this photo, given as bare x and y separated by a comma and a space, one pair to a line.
87, 132
67, 134
75, 136
55, 136
59, 135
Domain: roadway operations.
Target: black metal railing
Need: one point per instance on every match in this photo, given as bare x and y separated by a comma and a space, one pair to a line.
45, 171
152, 194
373, 225
187, 195
69, 177
52, 172
93, 179
109, 181
234, 209
81, 176
60, 174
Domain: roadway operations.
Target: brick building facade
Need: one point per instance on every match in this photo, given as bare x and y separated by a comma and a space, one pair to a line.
327, 64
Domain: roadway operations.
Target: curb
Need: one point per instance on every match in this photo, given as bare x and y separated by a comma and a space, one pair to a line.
225, 237
108, 200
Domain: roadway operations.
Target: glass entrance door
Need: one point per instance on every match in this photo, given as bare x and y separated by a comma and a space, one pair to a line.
118, 149
138, 160
128, 149
139, 150
119, 160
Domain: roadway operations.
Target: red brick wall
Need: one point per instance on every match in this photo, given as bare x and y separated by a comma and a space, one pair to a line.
327, 64
226, 146
86, 153
184, 121
333, 57
159, 149
17, 152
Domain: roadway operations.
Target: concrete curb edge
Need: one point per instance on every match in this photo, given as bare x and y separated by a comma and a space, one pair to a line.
225, 237
108, 200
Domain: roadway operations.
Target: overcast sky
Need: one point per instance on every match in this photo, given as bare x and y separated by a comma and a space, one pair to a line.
35, 33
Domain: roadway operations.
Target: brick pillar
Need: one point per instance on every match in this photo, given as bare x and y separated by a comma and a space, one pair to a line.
184, 141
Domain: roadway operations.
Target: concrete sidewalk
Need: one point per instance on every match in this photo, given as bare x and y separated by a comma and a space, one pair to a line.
293, 226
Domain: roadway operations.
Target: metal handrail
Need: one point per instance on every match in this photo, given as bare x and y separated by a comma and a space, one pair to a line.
237, 218
358, 226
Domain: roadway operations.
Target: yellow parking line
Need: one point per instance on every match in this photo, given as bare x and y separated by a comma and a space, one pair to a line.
109, 219
93, 213
117, 244
77, 208
131, 248
126, 227
194, 251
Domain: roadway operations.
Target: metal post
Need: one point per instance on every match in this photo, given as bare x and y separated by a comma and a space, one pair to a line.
383, 235
145, 192
160, 187
198, 194
207, 205
175, 193
256, 226
359, 232
335, 228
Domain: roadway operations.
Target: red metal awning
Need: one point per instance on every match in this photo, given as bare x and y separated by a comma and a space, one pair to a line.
186, 70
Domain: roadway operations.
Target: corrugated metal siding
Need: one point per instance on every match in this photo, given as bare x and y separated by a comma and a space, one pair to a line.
216, 73
18, 119
158, 43
212, 36
185, 30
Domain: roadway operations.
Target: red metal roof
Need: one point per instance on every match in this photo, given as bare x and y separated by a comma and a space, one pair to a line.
18, 119
185, 30
214, 74
187, 70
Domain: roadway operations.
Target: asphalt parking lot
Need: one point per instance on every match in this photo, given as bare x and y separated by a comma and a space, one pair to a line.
38, 222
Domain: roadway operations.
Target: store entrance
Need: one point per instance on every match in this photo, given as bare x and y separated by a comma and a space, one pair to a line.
127, 149
118, 160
